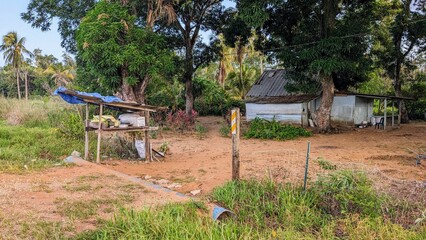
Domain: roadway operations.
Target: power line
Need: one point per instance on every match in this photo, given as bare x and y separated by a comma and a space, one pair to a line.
315, 42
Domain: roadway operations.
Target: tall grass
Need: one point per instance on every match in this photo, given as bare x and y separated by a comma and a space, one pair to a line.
173, 221
267, 210
36, 134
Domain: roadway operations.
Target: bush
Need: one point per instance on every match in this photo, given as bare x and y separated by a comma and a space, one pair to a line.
346, 191
264, 129
70, 124
180, 120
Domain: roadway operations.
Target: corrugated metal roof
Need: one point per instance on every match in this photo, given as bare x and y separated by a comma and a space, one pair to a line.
270, 84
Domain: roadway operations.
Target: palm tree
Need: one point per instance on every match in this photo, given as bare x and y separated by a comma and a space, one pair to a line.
225, 62
14, 50
239, 82
62, 75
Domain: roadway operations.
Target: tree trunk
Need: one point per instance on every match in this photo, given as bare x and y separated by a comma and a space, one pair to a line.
126, 91
26, 85
398, 92
17, 83
323, 118
187, 78
140, 88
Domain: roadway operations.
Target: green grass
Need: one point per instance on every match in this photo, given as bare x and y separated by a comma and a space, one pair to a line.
23, 148
336, 207
264, 129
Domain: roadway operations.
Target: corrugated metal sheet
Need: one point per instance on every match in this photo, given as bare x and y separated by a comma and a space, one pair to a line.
270, 88
270, 84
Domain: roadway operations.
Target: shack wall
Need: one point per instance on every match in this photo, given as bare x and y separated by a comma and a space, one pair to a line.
288, 113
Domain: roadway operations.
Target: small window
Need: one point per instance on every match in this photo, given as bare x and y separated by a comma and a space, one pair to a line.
271, 74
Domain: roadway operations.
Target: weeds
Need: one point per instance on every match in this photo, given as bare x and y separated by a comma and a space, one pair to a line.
224, 130
346, 191
200, 130
264, 129
24, 148
267, 210
326, 165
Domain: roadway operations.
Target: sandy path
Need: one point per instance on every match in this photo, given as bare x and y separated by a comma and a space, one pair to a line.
206, 163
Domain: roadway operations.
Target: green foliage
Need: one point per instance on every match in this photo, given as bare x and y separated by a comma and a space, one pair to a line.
264, 210
200, 130
266, 204
416, 89
23, 148
264, 129
225, 130
69, 124
346, 192
112, 47
172, 221
326, 165
210, 98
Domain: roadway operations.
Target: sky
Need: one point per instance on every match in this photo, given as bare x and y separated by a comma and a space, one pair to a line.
49, 42
10, 18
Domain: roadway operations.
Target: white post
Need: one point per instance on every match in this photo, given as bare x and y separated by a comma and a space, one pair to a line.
98, 149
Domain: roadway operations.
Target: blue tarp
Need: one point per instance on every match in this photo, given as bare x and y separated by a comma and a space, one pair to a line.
74, 100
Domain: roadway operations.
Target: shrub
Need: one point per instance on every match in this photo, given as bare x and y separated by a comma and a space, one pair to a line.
264, 129
180, 120
200, 130
224, 130
267, 204
70, 124
347, 191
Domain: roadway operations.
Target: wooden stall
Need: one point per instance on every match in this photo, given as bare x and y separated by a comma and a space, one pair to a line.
126, 107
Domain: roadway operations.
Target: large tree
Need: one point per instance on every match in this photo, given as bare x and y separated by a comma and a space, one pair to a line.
400, 37
324, 42
118, 52
192, 18
14, 50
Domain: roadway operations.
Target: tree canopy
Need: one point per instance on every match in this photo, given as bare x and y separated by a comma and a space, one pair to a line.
119, 54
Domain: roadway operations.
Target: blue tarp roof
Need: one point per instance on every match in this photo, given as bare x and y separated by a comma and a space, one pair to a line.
75, 100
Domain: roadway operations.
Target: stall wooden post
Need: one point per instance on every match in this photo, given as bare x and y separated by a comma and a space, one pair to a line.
98, 148
147, 141
235, 129
385, 114
393, 113
86, 134
399, 112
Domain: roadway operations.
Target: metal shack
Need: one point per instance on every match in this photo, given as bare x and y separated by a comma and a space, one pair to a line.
268, 99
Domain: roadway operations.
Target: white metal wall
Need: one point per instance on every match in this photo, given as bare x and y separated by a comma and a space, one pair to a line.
289, 113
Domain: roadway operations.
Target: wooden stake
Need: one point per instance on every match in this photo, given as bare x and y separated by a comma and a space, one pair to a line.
235, 128
98, 149
399, 113
86, 134
147, 141
385, 117
393, 114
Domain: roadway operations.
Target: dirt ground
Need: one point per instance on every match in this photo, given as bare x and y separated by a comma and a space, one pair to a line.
72, 199
204, 163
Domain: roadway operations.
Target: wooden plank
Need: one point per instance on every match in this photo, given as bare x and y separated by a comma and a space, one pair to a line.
98, 148
128, 129
147, 140
385, 113
393, 114
86, 135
